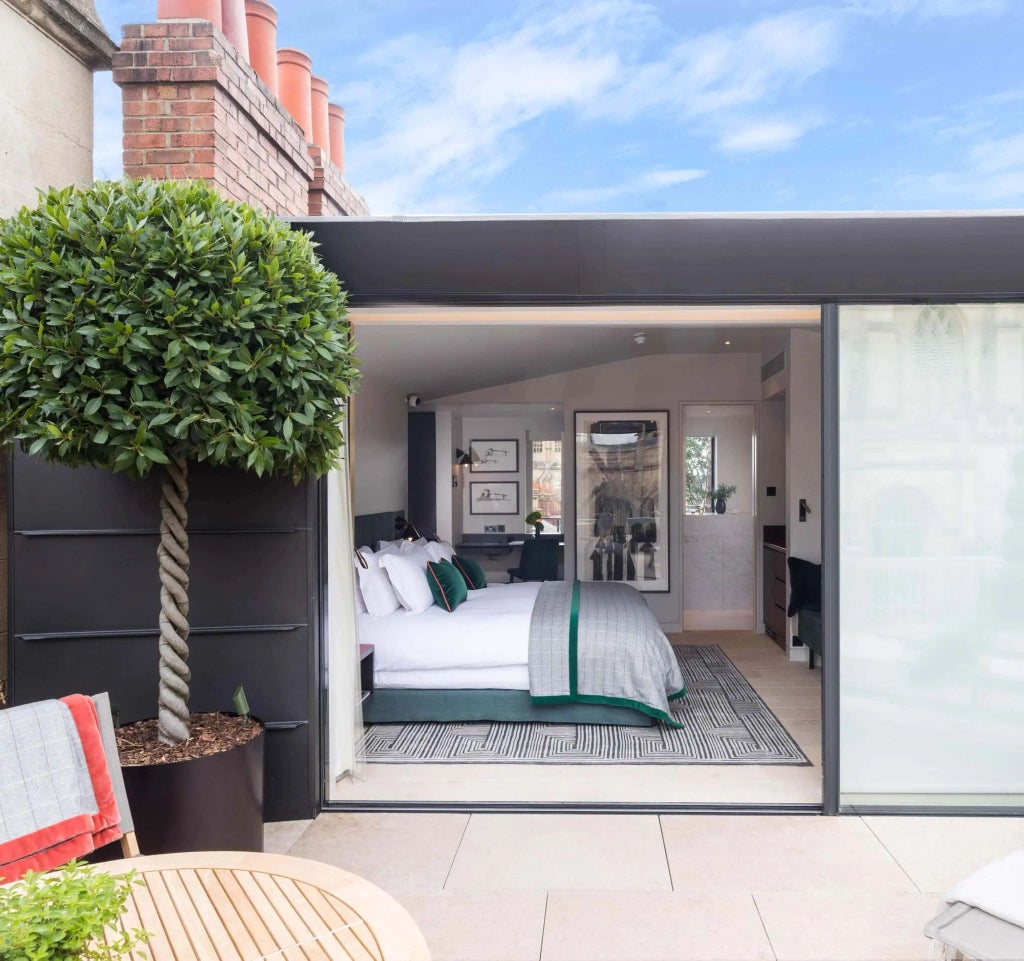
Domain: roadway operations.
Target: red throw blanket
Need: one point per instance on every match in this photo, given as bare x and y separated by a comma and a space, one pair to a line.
82, 833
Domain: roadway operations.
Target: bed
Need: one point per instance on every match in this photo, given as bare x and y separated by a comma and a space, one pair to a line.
474, 664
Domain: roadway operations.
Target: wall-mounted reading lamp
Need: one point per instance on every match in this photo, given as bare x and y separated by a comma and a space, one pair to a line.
462, 459
405, 530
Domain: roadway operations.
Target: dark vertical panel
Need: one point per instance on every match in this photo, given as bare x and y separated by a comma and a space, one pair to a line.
423, 471
830, 557
84, 598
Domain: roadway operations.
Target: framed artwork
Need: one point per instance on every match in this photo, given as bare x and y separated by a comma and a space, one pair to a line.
494, 497
622, 498
494, 456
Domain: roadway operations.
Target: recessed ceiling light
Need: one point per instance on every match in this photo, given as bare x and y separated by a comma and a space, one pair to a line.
708, 411
728, 342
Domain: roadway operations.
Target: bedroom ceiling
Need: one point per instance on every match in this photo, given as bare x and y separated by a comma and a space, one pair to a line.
435, 360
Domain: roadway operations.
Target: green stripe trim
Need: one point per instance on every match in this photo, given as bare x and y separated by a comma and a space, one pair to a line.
611, 702
574, 637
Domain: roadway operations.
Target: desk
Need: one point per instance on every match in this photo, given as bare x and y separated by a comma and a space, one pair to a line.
240, 906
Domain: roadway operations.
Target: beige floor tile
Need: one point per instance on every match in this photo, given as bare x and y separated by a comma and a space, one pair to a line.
538, 852
400, 852
709, 855
653, 926
475, 926
866, 927
937, 852
279, 836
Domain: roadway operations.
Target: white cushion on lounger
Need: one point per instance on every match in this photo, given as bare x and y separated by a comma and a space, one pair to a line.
408, 576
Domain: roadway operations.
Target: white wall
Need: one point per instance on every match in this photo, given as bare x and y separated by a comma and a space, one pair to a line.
803, 449
524, 429
771, 461
47, 106
803, 456
645, 383
380, 451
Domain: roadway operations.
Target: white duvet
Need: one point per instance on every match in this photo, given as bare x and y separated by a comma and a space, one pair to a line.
484, 643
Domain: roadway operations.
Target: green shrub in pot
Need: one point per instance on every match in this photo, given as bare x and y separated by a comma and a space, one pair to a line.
149, 324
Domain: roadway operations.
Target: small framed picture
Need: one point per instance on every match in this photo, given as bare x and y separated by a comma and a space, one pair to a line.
494, 497
494, 456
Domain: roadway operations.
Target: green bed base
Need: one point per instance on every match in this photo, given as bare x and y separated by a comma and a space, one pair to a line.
407, 706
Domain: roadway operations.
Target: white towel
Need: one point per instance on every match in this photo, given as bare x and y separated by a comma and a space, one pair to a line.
997, 888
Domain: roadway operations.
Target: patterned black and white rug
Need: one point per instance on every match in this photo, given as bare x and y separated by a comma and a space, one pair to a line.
725, 722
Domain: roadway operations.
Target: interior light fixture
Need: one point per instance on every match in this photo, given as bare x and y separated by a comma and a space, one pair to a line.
462, 459
728, 342
405, 530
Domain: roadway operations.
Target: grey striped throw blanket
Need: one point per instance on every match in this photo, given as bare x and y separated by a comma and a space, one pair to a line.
599, 643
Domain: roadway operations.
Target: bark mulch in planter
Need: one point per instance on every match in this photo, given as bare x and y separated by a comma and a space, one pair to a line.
137, 743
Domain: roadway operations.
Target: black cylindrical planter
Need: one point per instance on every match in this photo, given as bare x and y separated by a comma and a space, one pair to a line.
212, 803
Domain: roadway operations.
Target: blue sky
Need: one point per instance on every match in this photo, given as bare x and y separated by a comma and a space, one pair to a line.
544, 106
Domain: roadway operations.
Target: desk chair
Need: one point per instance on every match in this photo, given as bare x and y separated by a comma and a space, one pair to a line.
538, 560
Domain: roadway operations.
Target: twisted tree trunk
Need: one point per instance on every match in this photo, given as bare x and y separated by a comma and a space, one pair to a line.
173, 557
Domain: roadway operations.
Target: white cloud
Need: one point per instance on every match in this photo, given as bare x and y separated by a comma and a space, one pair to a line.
585, 198
927, 9
991, 173
455, 117
450, 125
731, 69
763, 136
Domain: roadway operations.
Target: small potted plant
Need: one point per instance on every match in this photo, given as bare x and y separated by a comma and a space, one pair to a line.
62, 916
720, 495
536, 519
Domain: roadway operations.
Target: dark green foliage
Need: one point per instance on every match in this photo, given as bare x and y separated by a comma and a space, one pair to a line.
57, 916
144, 320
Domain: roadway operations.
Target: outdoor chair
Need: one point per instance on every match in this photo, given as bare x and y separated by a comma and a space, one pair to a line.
538, 560
28, 808
983, 916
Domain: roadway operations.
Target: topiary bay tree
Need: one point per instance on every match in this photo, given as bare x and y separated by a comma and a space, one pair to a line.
149, 324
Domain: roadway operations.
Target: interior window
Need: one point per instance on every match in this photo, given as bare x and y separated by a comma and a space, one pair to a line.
700, 473
547, 483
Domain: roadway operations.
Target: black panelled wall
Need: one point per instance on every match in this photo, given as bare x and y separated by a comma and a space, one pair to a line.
84, 596
422, 471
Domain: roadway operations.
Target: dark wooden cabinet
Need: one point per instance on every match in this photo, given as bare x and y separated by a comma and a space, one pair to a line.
774, 604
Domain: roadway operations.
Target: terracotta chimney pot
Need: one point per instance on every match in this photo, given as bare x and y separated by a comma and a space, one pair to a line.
294, 72
232, 13
190, 10
261, 26
336, 121
321, 125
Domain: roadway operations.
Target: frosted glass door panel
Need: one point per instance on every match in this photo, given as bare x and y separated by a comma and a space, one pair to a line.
932, 551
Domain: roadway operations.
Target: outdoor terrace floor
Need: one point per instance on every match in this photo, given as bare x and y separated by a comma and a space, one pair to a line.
633, 887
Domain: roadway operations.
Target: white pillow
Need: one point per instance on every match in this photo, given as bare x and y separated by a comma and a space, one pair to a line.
360, 603
440, 550
409, 579
374, 585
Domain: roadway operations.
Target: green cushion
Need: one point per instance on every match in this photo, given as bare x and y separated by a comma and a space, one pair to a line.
471, 571
446, 584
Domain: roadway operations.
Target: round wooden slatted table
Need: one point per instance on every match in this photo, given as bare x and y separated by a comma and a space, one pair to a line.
240, 906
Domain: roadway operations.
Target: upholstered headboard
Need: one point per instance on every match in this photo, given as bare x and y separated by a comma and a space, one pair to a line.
370, 528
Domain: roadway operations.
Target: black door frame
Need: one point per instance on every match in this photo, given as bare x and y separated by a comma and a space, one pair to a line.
829, 802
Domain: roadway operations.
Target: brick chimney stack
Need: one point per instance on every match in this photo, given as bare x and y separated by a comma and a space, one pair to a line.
194, 108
